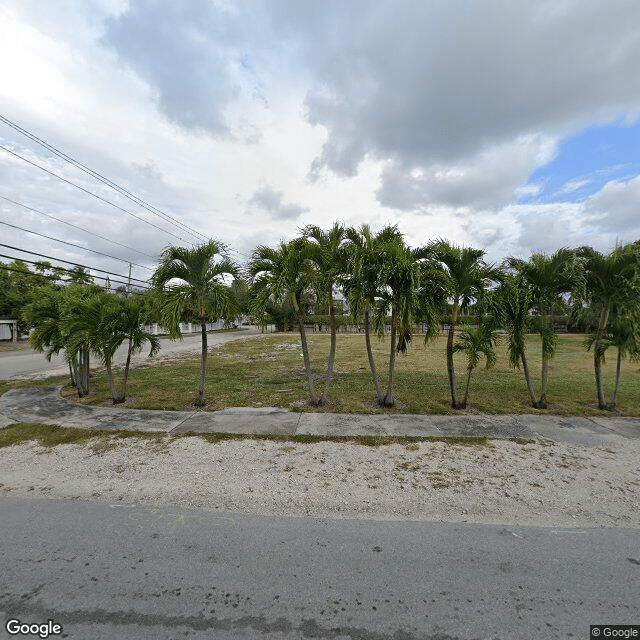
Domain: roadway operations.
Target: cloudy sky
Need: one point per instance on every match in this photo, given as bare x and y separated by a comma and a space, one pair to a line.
506, 125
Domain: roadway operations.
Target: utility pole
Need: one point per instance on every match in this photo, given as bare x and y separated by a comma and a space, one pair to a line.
129, 283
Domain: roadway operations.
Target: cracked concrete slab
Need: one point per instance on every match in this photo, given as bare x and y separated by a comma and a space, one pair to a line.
627, 427
572, 429
337, 424
45, 405
241, 420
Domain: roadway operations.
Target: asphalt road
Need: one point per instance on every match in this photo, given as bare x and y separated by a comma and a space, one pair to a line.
32, 363
130, 571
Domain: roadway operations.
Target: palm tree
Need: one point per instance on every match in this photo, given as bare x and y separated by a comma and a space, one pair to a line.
283, 274
327, 251
467, 278
361, 282
475, 343
104, 321
193, 281
45, 313
623, 333
131, 314
549, 278
42, 313
400, 275
610, 279
511, 304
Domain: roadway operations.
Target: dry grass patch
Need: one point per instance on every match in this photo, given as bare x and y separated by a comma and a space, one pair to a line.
268, 371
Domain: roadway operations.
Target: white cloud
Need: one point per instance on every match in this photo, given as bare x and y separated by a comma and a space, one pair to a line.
573, 185
614, 209
491, 178
247, 120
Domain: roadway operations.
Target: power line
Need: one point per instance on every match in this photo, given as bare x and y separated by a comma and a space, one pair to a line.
97, 235
84, 266
98, 176
77, 246
95, 195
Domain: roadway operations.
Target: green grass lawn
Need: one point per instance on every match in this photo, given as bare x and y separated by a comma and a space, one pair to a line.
268, 371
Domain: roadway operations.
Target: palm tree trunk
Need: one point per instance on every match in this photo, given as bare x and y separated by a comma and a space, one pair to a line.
614, 397
372, 364
112, 383
597, 355
313, 398
542, 403
453, 384
82, 377
332, 350
73, 379
466, 390
388, 400
203, 362
126, 372
527, 377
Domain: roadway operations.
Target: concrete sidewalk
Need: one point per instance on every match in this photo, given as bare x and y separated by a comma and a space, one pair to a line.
45, 405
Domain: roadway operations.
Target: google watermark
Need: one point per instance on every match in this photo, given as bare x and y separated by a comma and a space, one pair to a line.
614, 631
46, 629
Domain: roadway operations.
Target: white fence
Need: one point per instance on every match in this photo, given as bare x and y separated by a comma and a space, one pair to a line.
185, 327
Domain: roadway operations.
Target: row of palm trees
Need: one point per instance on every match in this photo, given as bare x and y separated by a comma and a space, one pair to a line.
381, 276
386, 282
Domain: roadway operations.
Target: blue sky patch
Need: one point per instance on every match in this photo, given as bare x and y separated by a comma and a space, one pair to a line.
585, 163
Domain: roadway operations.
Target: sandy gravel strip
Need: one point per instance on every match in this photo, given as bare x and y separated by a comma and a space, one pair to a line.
539, 483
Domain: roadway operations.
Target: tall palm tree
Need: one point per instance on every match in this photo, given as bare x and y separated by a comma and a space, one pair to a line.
610, 279
467, 278
362, 284
193, 282
400, 274
475, 343
623, 333
327, 252
549, 277
511, 304
131, 314
283, 274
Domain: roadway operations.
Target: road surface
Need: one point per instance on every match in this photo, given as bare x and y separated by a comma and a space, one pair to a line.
32, 364
105, 571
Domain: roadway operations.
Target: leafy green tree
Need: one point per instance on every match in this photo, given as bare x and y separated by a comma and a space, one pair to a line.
549, 278
467, 279
193, 282
475, 343
611, 280
327, 252
279, 275
17, 282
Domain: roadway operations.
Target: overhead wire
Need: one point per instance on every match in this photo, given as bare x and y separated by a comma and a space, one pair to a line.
139, 289
95, 195
98, 176
77, 264
75, 226
77, 246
